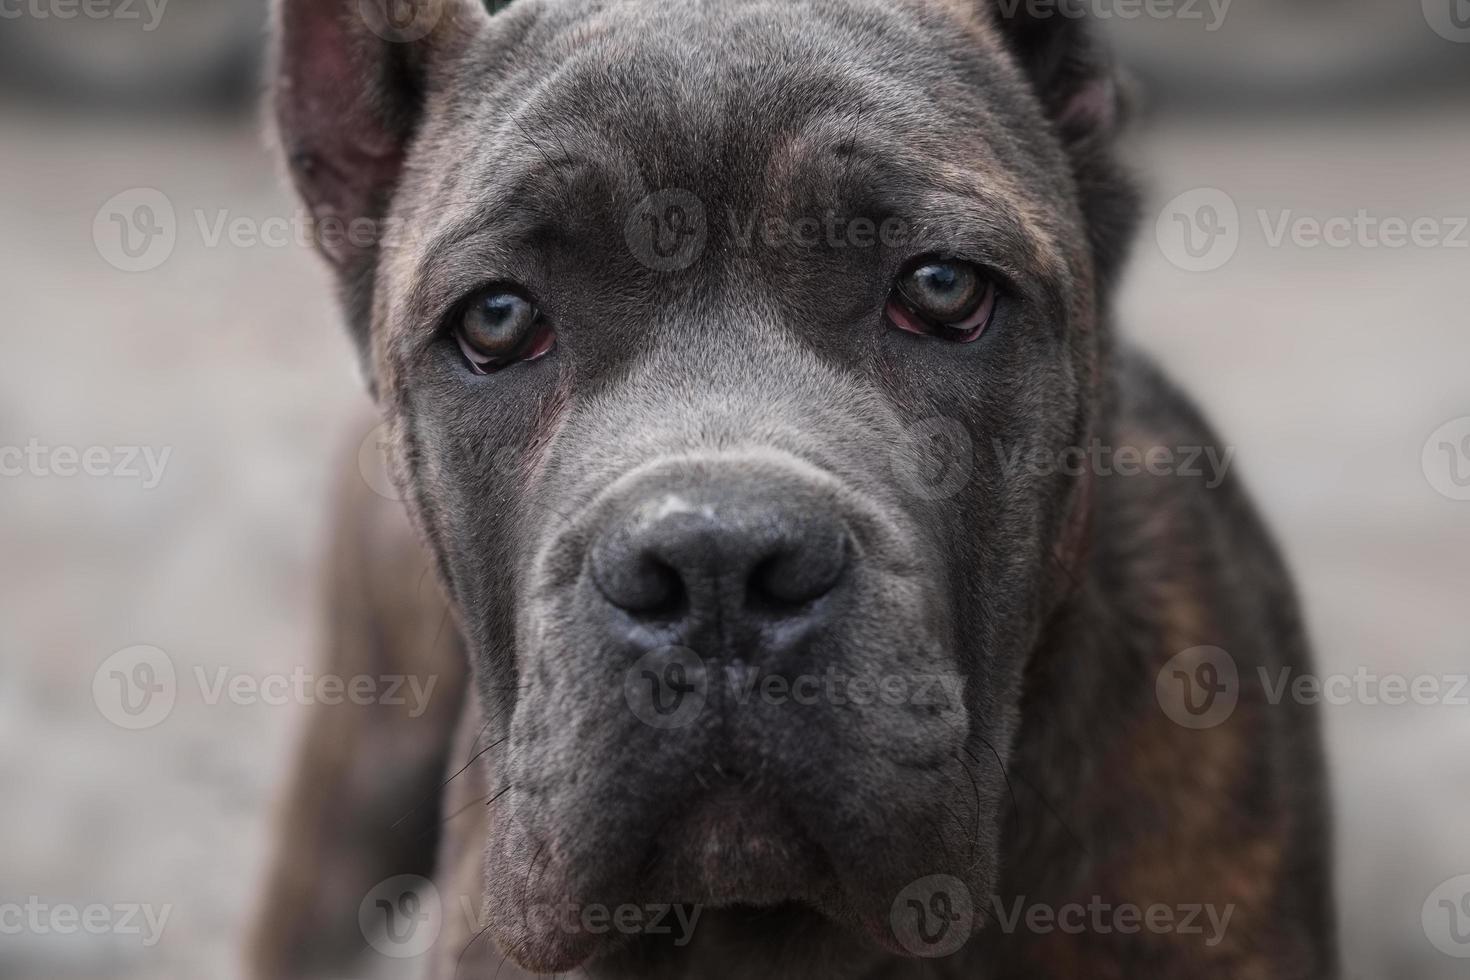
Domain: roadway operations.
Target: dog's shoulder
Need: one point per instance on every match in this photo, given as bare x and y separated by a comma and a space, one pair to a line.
1175, 516
1157, 703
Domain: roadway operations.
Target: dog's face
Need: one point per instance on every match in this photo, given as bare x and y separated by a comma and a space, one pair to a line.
710, 334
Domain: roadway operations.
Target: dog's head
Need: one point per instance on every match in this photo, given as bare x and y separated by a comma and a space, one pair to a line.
710, 333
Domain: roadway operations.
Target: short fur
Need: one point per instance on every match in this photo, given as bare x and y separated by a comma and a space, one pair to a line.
515, 146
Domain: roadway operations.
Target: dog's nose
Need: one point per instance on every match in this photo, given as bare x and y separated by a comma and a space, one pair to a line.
707, 557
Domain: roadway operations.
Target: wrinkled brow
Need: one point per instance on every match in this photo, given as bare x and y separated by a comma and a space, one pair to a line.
510, 212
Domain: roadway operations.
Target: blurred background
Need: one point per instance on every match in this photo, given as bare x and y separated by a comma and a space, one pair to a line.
176, 394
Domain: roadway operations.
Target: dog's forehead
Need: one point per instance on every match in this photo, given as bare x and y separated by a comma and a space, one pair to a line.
751, 104
700, 90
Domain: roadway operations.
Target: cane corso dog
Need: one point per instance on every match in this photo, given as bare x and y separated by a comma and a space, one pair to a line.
811, 583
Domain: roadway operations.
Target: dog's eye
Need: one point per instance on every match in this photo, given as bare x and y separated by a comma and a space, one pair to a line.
498, 327
946, 298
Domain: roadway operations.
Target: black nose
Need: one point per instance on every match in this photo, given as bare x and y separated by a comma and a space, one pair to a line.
728, 558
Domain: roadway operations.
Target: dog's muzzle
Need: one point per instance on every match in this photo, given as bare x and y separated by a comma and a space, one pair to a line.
737, 688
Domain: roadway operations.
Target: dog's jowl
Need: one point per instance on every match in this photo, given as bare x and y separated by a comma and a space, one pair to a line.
704, 331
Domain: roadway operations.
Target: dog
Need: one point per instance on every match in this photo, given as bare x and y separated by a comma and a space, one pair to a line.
748, 372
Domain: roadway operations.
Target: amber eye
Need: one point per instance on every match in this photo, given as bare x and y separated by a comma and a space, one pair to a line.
946, 298
499, 327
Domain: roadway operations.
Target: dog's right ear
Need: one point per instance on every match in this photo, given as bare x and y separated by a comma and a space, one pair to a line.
351, 79
1071, 71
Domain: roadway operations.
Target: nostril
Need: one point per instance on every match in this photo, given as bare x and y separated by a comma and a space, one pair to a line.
645, 586
660, 589
797, 576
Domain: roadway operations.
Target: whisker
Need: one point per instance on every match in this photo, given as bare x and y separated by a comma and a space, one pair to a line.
444, 785
487, 800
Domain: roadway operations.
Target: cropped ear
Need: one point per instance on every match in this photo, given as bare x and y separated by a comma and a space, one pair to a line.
351, 79
1073, 75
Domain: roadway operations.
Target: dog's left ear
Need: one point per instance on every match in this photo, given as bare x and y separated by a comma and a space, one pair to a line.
352, 77
1072, 73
